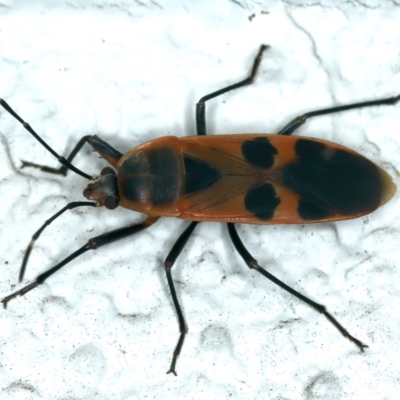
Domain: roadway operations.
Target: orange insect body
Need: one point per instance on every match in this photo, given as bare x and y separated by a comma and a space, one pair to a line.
255, 179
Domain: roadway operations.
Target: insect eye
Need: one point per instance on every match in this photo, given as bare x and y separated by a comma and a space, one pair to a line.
111, 202
107, 171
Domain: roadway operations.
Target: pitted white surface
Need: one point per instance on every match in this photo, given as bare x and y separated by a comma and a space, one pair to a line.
104, 327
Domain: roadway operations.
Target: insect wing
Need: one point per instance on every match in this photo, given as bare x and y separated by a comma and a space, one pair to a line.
270, 179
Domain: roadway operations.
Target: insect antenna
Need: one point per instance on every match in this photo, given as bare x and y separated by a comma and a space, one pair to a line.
65, 162
69, 206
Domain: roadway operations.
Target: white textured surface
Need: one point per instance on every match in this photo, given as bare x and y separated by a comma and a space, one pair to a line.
104, 326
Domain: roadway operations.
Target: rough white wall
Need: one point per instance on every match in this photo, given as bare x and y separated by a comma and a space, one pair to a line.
104, 326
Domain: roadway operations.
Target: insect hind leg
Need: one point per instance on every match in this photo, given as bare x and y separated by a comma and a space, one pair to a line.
201, 104
252, 264
289, 128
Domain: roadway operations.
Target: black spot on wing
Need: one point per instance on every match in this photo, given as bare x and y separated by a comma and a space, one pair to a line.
309, 148
262, 201
198, 175
259, 152
310, 211
332, 181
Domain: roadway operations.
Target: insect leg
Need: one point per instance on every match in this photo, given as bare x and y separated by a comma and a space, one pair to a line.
252, 264
168, 263
28, 251
108, 152
65, 162
298, 121
103, 148
201, 106
64, 168
92, 244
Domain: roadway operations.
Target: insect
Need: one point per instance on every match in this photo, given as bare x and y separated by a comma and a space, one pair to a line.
253, 179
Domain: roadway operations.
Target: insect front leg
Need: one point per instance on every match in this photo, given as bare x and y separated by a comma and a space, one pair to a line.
66, 162
104, 149
168, 263
201, 104
252, 264
92, 244
108, 152
64, 168
302, 119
